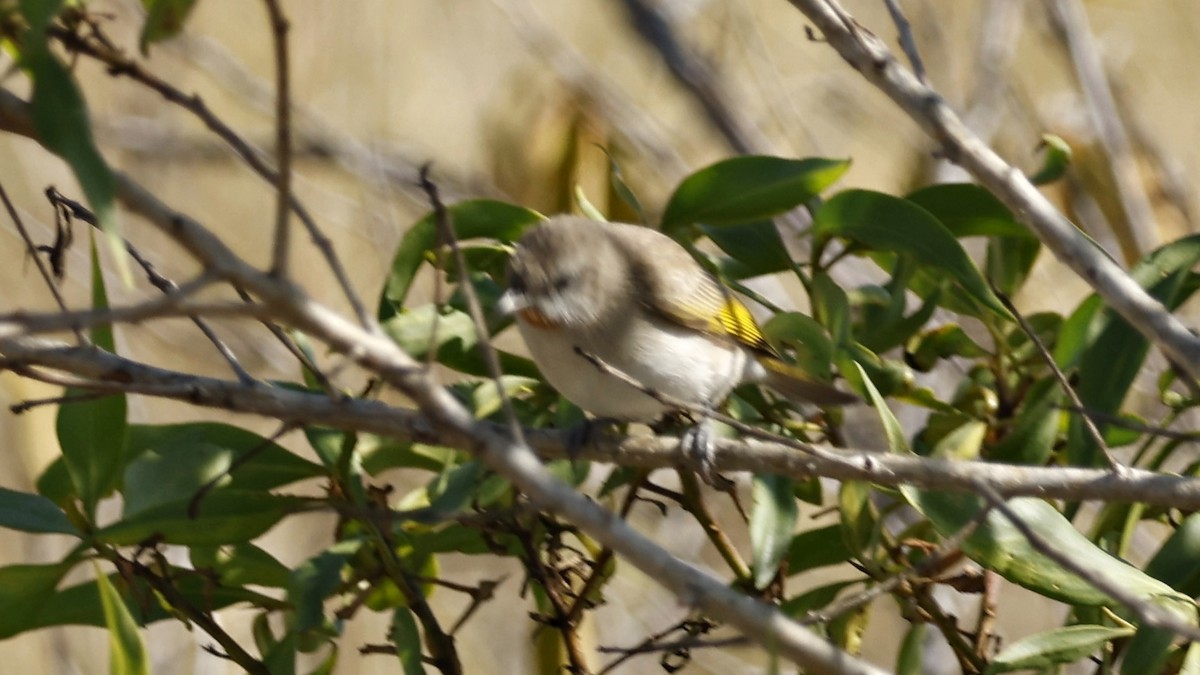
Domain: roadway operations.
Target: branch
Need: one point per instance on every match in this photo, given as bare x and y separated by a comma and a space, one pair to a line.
115, 373
283, 139
867, 54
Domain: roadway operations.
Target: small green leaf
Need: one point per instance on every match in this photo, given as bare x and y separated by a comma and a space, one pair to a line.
968, 210
748, 188
756, 245
1056, 161
27, 512
407, 638
911, 659
772, 523
1177, 561
92, 432
815, 548
240, 565
1030, 439
814, 599
225, 517
313, 581
164, 19
25, 590
471, 219
486, 399
886, 223
174, 461
924, 350
621, 188
1054, 647
127, 654
814, 349
586, 207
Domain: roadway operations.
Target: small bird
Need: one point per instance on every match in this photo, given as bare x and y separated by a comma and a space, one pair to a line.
638, 302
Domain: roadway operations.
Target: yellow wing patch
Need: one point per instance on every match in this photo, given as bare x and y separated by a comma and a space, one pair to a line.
735, 320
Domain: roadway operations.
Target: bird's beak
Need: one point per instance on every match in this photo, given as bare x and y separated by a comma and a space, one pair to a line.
512, 302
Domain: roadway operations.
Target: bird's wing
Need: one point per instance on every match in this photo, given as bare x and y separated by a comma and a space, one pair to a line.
673, 285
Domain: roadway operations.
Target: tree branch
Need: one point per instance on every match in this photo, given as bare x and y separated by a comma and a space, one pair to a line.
867, 54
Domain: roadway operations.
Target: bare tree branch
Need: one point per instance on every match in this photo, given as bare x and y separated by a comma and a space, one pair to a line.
867, 54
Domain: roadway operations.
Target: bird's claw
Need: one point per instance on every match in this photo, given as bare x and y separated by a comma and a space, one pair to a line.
699, 447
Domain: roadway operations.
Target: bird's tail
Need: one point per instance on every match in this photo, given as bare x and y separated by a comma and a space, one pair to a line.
795, 384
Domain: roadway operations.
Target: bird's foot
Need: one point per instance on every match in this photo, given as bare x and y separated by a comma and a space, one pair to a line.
699, 447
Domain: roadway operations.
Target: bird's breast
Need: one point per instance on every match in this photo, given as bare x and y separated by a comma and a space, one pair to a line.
673, 360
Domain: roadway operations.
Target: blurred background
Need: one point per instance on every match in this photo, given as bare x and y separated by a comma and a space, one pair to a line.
521, 100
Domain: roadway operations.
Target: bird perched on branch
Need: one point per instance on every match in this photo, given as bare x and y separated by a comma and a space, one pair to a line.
591, 296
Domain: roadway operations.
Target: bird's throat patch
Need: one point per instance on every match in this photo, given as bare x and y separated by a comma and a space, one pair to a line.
536, 319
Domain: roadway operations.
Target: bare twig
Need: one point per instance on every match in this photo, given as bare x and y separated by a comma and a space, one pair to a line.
1063, 383
1070, 18
1147, 614
696, 76
162, 283
283, 139
32, 250
120, 64
867, 54
907, 43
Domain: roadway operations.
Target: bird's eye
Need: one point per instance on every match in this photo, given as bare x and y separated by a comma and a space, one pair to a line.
560, 283
516, 282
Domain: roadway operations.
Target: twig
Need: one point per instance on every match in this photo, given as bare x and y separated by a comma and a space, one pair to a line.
867, 54
474, 308
119, 64
696, 76
1146, 613
1070, 18
32, 250
907, 43
1063, 382
283, 139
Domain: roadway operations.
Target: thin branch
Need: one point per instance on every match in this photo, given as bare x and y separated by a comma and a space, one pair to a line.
111, 372
1063, 383
871, 57
32, 250
11, 118
1147, 614
1069, 17
283, 139
907, 43
696, 76
167, 306
162, 283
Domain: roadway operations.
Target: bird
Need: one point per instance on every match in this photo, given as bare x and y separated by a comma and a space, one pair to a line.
636, 301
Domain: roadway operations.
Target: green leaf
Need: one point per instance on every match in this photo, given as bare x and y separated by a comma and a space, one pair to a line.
911, 659
240, 565
225, 517
173, 461
924, 350
968, 210
27, 512
452, 333
997, 545
586, 207
814, 349
748, 188
407, 638
164, 19
280, 659
1056, 161
814, 599
1053, 647
818, 547
1034, 430
886, 223
80, 604
92, 433
313, 581
25, 590
471, 219
756, 245
486, 399
1177, 561
127, 654
772, 522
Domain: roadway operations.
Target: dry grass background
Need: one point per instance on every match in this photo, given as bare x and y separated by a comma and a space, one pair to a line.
470, 84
